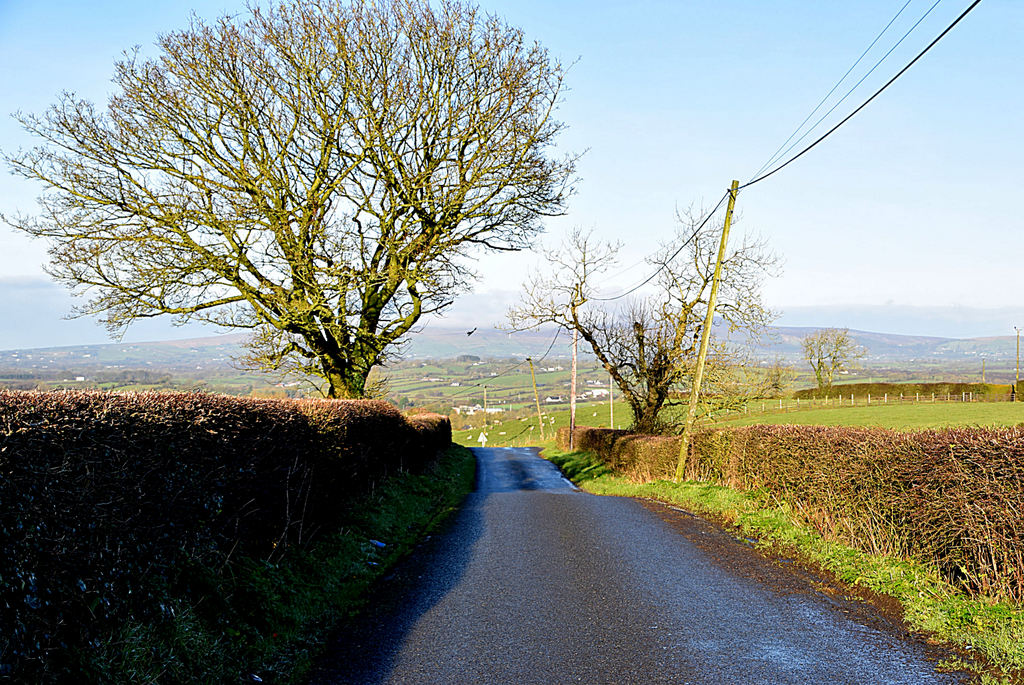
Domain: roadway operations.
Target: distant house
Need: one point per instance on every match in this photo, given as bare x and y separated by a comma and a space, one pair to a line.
553, 400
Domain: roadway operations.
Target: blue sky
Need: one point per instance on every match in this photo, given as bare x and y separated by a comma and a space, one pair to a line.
911, 204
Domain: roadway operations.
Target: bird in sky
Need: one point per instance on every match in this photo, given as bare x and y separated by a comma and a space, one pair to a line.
472, 331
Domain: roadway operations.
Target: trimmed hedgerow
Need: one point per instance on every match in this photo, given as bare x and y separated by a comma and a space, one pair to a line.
110, 504
908, 390
951, 497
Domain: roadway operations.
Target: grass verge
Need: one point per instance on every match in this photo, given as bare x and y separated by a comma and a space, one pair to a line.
992, 630
268, 622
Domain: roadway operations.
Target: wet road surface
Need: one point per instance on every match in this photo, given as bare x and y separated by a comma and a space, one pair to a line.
536, 582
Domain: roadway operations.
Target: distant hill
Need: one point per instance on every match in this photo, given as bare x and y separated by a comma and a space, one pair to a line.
440, 342
785, 343
175, 355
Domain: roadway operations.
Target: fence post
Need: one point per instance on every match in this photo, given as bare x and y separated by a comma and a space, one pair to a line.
869, 399
933, 398
917, 398
886, 400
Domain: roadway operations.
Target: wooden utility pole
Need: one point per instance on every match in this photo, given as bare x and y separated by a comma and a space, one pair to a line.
705, 336
536, 396
572, 391
1017, 383
611, 402
485, 406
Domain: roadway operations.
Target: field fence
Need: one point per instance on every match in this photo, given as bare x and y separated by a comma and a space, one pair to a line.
782, 405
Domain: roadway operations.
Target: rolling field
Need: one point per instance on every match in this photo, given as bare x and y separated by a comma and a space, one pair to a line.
896, 416
517, 431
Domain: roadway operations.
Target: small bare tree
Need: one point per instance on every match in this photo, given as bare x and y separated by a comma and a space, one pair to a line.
777, 379
829, 351
315, 172
648, 344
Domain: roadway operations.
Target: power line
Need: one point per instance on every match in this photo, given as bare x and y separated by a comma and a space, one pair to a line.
865, 103
777, 154
675, 254
470, 389
856, 85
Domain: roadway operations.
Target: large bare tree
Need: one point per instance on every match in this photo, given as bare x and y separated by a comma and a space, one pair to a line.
315, 172
829, 351
649, 344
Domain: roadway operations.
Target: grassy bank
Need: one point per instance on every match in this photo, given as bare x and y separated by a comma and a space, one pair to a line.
272, 619
992, 629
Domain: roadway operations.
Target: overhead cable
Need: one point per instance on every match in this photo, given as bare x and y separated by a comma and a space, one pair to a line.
779, 152
664, 264
878, 92
470, 389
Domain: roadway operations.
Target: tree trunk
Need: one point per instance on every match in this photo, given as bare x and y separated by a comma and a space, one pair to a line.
645, 417
345, 385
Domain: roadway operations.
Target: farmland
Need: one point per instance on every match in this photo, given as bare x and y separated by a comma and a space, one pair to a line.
906, 416
500, 382
909, 416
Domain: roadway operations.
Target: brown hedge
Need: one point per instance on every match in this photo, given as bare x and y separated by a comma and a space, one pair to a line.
107, 500
953, 497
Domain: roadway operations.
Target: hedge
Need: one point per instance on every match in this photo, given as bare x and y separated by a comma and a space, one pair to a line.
908, 390
108, 502
952, 497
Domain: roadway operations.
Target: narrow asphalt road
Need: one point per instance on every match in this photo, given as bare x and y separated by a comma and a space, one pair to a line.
536, 582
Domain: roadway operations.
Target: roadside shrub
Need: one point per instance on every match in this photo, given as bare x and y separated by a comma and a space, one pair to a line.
640, 458
112, 504
434, 430
952, 497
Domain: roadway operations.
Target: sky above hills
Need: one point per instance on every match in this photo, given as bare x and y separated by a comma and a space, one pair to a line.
907, 213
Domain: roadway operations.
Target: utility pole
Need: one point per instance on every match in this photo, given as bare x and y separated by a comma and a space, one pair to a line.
611, 402
1017, 383
572, 392
536, 396
485, 406
982, 369
705, 336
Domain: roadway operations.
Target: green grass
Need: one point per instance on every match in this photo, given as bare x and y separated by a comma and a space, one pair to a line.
273, 619
896, 416
508, 431
993, 629
515, 431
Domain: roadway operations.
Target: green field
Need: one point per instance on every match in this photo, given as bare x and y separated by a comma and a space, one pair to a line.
896, 416
517, 432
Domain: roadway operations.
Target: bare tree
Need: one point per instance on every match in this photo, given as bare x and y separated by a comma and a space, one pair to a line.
829, 351
777, 379
648, 344
315, 172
